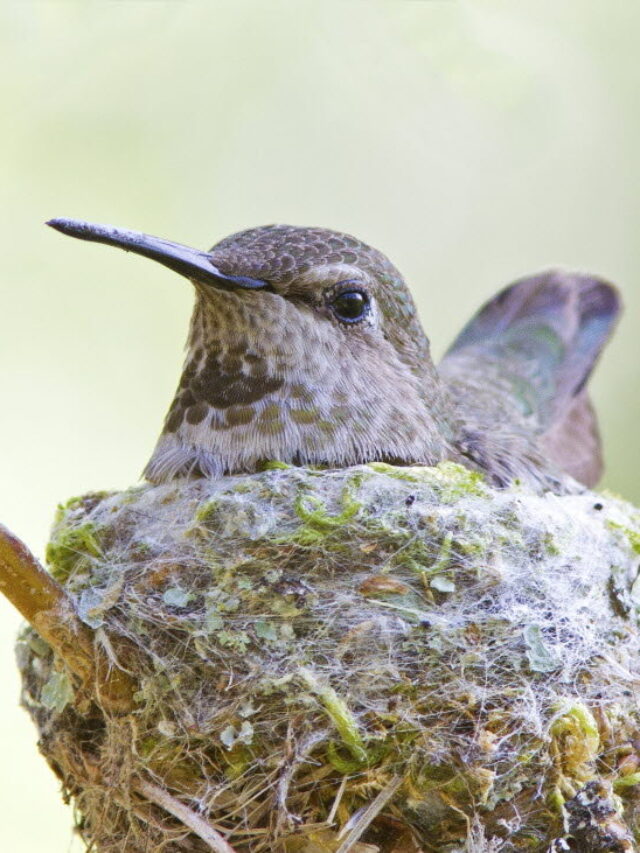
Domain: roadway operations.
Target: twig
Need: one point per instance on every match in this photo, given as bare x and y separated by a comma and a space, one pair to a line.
336, 803
369, 814
284, 783
183, 813
50, 611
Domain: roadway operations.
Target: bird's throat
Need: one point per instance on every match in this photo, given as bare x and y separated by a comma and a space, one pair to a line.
262, 387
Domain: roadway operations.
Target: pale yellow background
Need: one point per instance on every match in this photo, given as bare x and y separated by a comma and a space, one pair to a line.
471, 141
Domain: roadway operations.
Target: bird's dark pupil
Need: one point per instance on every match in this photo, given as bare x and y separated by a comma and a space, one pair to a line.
350, 305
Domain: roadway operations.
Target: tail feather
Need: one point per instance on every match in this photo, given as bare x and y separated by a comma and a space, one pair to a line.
543, 335
573, 442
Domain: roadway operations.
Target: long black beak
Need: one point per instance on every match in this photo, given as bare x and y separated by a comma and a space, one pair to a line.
191, 263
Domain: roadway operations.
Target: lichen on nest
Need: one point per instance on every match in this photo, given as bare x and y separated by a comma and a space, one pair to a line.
370, 659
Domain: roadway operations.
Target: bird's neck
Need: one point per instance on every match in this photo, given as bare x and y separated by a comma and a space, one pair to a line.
273, 386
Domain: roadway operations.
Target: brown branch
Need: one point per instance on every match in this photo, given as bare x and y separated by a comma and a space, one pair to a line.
50, 611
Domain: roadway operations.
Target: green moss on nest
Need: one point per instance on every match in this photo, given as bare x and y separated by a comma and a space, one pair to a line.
312, 645
632, 534
72, 547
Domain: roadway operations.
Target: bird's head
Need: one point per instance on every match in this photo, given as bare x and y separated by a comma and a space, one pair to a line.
305, 346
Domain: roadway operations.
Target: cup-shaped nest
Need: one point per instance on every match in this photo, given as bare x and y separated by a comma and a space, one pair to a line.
371, 659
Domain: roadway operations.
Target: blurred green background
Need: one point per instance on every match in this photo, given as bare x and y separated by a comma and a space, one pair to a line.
471, 141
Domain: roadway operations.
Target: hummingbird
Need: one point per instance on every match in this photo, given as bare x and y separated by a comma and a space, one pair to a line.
305, 347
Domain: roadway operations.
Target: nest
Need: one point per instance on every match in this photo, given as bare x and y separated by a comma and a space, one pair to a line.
375, 660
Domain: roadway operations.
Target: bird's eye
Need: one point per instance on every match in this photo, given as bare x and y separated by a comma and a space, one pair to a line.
351, 306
